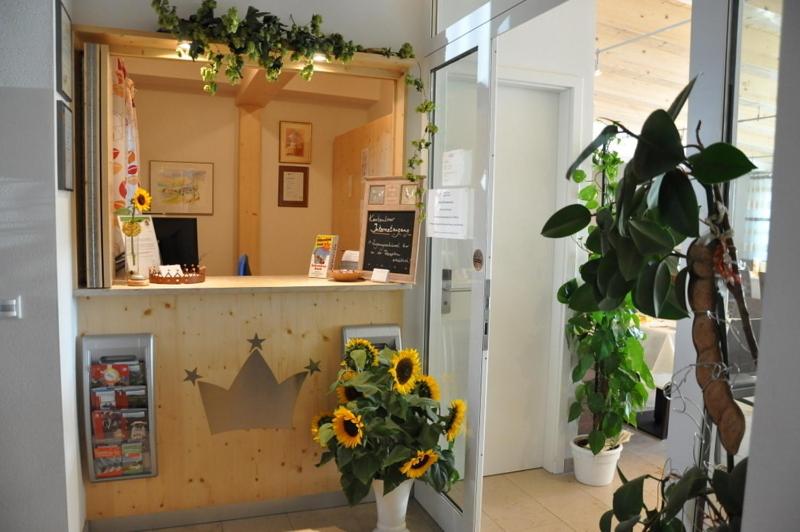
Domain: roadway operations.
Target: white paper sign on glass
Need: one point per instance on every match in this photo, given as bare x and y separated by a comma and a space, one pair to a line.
456, 168
449, 213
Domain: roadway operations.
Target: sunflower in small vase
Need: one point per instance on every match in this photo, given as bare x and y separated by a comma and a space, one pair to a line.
131, 227
390, 427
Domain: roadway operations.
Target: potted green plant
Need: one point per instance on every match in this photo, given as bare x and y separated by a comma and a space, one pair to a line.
613, 378
388, 430
642, 238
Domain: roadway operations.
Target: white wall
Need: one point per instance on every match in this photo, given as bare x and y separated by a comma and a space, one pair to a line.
40, 480
770, 499
178, 126
370, 23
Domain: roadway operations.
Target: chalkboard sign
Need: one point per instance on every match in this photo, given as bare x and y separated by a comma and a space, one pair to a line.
389, 231
389, 241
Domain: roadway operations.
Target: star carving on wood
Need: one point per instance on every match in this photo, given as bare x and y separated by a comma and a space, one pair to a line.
312, 366
255, 342
192, 376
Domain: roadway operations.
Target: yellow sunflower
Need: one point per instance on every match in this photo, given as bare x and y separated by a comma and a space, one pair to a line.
142, 200
405, 370
455, 420
348, 427
428, 387
360, 343
317, 422
345, 394
418, 465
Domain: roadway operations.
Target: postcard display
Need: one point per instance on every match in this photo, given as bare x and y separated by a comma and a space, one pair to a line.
119, 406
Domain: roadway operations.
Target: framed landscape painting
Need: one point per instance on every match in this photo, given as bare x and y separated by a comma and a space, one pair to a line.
295, 142
182, 187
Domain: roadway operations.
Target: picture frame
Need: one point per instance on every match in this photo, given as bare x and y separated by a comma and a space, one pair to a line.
66, 157
292, 186
408, 194
180, 187
294, 142
64, 52
377, 194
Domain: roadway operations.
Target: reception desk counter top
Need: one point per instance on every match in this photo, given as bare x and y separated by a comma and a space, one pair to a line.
246, 284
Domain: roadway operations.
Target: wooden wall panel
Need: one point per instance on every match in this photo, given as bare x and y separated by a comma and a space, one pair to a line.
377, 138
248, 227
197, 469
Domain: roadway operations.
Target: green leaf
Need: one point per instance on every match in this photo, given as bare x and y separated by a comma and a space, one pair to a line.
605, 521
612, 424
575, 411
583, 299
629, 499
579, 176
627, 525
605, 135
720, 162
588, 192
643, 292
359, 356
566, 290
365, 467
596, 441
688, 487
629, 259
584, 363
344, 456
593, 241
659, 148
680, 289
567, 221
676, 106
326, 457
662, 284
398, 454
677, 203
650, 238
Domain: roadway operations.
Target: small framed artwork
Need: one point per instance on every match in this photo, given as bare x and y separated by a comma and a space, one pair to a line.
295, 142
66, 167
377, 194
64, 51
182, 187
292, 186
408, 194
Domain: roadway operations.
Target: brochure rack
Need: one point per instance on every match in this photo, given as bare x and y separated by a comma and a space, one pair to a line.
119, 406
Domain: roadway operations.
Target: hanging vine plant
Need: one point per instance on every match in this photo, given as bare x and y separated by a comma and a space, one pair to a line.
264, 39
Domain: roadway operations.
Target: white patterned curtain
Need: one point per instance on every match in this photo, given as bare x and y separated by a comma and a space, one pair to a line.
125, 141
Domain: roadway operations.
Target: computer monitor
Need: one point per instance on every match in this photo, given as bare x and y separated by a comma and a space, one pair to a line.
177, 240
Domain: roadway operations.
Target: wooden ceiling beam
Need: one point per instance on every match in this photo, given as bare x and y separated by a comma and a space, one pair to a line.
256, 91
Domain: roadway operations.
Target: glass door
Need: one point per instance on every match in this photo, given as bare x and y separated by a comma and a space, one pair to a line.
457, 289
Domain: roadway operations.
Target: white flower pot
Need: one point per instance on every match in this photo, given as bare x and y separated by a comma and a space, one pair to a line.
392, 507
594, 470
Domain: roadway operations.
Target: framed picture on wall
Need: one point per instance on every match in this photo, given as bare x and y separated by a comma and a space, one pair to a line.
66, 167
63, 51
295, 142
182, 187
292, 186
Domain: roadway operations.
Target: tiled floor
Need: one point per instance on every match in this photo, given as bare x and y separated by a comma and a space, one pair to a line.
531, 500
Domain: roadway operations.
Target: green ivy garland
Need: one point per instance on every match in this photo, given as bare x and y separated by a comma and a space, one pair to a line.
263, 38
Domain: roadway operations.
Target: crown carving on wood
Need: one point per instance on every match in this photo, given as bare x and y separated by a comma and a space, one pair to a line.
255, 399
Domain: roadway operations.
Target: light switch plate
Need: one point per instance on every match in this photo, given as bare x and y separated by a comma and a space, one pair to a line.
11, 308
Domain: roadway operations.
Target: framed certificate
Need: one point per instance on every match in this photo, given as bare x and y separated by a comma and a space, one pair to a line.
292, 186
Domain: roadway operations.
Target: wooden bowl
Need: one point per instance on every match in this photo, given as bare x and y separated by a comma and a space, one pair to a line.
346, 276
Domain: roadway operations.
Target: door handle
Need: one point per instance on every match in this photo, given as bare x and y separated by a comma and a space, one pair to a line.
447, 286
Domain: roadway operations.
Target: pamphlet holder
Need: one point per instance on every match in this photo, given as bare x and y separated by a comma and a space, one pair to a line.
118, 406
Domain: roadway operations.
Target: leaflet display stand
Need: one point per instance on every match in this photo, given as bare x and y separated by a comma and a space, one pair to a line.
119, 406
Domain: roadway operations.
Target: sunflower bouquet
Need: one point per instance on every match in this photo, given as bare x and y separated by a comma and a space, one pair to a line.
389, 424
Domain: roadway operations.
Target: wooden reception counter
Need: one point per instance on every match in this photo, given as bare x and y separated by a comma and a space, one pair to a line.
211, 330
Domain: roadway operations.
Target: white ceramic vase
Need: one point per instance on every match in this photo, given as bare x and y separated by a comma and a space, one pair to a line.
591, 469
392, 507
